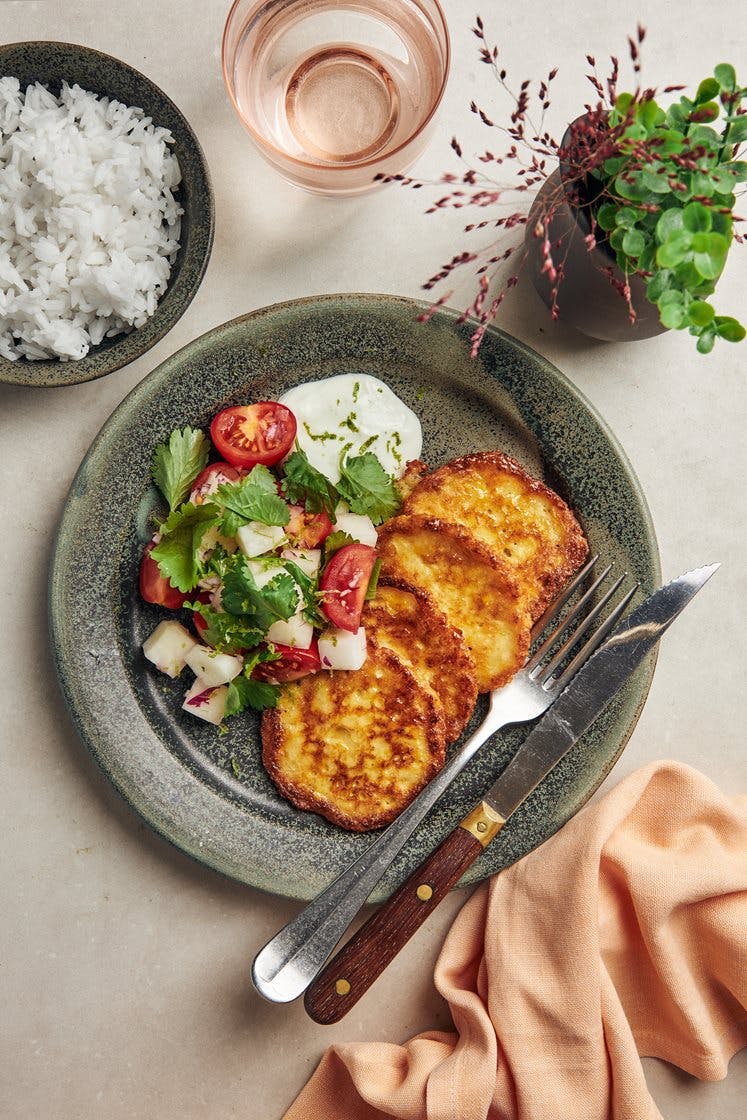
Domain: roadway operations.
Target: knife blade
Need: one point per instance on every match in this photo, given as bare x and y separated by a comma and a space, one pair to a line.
364, 957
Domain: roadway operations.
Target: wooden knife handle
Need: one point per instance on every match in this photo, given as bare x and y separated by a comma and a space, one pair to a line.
350, 973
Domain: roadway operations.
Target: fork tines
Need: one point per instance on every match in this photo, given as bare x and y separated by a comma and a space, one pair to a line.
542, 670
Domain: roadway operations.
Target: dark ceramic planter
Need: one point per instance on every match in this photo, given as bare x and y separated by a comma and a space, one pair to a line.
586, 300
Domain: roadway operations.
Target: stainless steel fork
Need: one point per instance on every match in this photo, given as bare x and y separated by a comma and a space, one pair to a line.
288, 963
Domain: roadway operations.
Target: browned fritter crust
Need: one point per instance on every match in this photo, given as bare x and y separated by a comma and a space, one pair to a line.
473, 586
355, 747
412, 475
406, 620
516, 516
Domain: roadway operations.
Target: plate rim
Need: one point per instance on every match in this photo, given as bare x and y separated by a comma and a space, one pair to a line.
260, 877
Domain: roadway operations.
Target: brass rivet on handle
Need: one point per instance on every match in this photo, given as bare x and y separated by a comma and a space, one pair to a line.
483, 823
424, 892
342, 987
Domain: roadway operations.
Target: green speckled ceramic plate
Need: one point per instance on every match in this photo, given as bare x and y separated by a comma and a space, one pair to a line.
53, 63
208, 793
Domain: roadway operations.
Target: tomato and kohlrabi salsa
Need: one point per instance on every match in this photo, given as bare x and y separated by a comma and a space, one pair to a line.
268, 550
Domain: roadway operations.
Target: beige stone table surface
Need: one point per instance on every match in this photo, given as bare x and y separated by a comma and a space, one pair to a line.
124, 966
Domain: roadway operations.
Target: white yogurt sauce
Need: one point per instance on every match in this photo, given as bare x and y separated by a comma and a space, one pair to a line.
353, 413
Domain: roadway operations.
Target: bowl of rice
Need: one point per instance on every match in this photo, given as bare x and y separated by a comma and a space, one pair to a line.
106, 214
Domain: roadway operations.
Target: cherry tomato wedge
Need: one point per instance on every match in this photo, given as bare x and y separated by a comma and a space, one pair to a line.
208, 481
307, 530
290, 666
199, 623
246, 435
344, 583
154, 587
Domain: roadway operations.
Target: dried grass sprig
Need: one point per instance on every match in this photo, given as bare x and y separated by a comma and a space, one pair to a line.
657, 188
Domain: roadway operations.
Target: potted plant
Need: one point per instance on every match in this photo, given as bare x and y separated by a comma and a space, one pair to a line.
634, 216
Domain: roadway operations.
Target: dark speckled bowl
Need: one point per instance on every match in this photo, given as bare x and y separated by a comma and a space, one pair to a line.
209, 793
51, 64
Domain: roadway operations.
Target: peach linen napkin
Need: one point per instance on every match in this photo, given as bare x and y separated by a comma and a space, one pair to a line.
625, 934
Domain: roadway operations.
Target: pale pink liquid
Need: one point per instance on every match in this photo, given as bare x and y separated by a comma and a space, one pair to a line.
338, 83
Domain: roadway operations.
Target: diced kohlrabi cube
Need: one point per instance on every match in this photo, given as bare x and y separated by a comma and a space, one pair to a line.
210, 538
294, 631
265, 570
307, 559
339, 649
168, 647
213, 668
206, 701
256, 538
357, 526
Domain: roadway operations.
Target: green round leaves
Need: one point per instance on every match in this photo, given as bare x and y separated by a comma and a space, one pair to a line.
696, 217
709, 254
633, 243
669, 179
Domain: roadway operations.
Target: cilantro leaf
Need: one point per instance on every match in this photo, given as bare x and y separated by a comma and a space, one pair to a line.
227, 633
278, 599
367, 488
176, 551
281, 595
252, 498
176, 464
336, 540
247, 611
304, 485
244, 692
311, 596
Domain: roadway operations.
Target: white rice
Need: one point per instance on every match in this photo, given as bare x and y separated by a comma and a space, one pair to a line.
89, 226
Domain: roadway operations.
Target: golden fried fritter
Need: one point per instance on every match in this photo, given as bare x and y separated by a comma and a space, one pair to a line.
516, 516
407, 621
474, 588
412, 475
357, 746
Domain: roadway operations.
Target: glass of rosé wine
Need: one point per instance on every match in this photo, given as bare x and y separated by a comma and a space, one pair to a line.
336, 95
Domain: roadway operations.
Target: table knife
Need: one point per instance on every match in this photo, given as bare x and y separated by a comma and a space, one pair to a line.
365, 956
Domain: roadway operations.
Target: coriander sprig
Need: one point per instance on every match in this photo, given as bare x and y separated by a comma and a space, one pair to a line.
364, 485
176, 464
